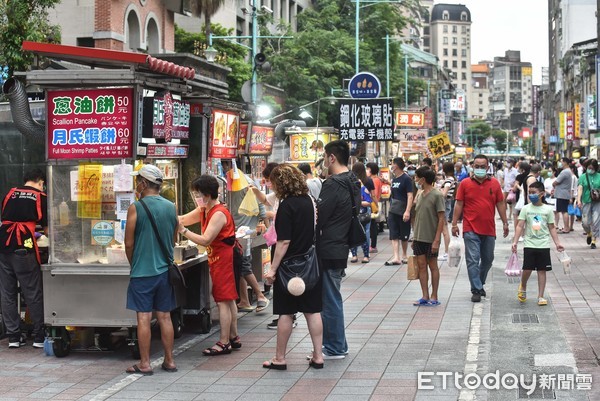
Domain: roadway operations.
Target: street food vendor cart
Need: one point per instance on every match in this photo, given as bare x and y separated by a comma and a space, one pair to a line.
100, 125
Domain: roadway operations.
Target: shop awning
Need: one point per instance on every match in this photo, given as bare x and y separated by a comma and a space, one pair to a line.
109, 58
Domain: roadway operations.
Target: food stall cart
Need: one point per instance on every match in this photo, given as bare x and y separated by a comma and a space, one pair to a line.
99, 124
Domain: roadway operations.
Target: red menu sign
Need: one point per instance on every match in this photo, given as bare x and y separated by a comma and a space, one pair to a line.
90, 123
243, 139
261, 140
224, 134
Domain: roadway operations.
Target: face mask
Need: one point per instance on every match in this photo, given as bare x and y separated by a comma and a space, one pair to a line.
469, 169
534, 198
559, 165
411, 173
480, 172
549, 174
419, 186
591, 171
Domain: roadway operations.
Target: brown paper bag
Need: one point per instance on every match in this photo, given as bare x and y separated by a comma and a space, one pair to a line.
412, 269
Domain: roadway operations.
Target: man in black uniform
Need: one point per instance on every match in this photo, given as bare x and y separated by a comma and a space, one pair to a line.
22, 209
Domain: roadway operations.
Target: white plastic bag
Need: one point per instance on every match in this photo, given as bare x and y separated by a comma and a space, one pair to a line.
513, 267
454, 252
566, 261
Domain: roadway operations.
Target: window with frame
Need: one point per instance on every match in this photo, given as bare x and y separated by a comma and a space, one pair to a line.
445, 29
445, 15
445, 40
463, 64
463, 29
445, 63
464, 76
463, 52
464, 41
454, 52
454, 64
454, 29
445, 52
454, 41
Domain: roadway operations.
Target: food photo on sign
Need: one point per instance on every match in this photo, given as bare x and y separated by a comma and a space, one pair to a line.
261, 140
224, 134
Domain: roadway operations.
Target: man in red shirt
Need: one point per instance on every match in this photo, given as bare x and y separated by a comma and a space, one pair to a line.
477, 198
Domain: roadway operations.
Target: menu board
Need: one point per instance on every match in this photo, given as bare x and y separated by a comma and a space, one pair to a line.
261, 140
224, 130
308, 146
90, 123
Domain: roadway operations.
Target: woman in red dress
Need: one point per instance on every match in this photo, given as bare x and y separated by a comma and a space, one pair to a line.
218, 236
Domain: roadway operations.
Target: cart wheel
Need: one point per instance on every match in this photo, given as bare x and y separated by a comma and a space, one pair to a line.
62, 344
177, 320
205, 322
132, 342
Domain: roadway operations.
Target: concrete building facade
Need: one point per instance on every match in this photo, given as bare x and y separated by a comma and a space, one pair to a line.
478, 103
451, 42
511, 91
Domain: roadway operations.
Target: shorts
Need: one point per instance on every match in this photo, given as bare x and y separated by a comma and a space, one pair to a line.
399, 229
146, 294
449, 209
562, 205
246, 266
423, 248
537, 259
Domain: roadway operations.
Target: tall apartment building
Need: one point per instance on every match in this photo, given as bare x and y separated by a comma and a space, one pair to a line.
511, 91
232, 15
451, 42
478, 100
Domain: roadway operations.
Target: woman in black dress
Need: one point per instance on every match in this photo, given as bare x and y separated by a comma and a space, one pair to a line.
295, 227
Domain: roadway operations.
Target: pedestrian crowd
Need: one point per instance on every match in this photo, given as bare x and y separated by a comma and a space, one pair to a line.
311, 222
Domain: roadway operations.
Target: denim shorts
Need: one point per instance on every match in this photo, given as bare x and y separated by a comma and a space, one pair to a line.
146, 294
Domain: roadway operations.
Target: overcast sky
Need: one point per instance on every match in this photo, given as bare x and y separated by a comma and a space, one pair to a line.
500, 25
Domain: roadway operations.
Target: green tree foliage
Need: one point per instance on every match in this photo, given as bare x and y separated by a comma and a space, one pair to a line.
208, 8
479, 131
231, 55
322, 53
22, 20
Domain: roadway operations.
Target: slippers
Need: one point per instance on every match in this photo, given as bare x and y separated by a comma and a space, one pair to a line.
421, 302
262, 305
168, 369
542, 301
365, 260
246, 309
271, 365
354, 259
404, 261
135, 369
521, 295
434, 302
315, 365
388, 263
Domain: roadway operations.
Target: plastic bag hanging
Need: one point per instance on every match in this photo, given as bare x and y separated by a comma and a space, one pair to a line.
565, 259
249, 205
454, 252
513, 267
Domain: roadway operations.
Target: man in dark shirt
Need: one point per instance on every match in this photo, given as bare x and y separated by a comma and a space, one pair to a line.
399, 215
333, 225
22, 209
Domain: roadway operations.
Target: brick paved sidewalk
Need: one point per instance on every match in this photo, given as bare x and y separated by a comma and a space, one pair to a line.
390, 341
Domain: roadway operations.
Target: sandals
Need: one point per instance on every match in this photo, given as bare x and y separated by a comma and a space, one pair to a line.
365, 260
225, 349
421, 302
271, 365
521, 295
354, 259
542, 301
135, 369
315, 365
235, 342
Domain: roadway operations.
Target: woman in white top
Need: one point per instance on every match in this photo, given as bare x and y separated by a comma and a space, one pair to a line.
574, 185
550, 199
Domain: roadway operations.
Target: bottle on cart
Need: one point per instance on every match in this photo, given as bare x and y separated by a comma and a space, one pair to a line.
63, 214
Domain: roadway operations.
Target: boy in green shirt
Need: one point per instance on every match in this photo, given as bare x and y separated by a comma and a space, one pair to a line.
537, 219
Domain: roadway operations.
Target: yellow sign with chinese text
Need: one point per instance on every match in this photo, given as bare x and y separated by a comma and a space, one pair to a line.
308, 146
439, 145
89, 195
562, 124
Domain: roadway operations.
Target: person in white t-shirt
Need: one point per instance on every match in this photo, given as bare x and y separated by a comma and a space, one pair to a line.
510, 175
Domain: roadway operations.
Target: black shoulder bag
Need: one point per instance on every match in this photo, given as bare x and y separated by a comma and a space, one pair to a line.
175, 275
300, 273
594, 193
356, 234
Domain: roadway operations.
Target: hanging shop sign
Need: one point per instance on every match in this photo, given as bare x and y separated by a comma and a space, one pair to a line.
408, 119
364, 85
307, 146
90, 123
570, 129
261, 140
243, 139
224, 129
170, 117
411, 135
366, 120
439, 145
591, 112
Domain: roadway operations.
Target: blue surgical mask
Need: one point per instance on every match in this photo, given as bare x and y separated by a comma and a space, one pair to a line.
559, 165
591, 171
534, 198
411, 173
480, 172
